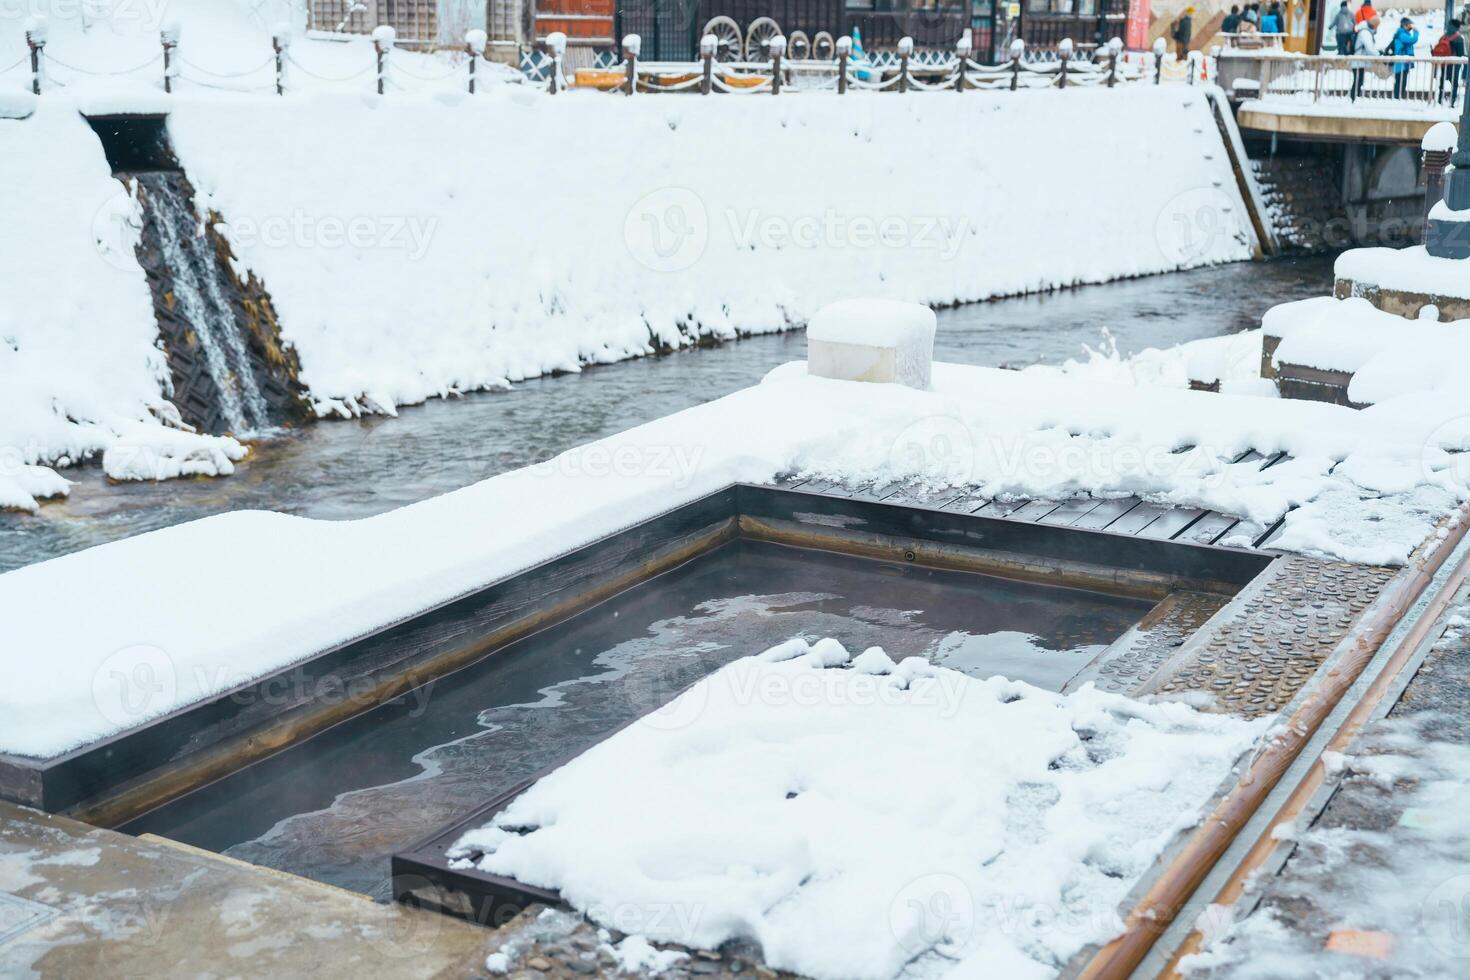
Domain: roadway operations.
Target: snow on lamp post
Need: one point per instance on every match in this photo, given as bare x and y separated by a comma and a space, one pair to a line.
1065, 49
632, 44
962, 49
708, 45
1160, 46
844, 51
905, 51
1115, 49
36, 40
1447, 234
474, 46
777, 49
280, 41
169, 38
383, 37
1018, 55
556, 43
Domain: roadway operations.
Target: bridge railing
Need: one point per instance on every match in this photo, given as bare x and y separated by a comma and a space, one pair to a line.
1348, 81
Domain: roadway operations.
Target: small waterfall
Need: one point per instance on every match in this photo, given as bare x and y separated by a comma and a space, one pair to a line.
201, 293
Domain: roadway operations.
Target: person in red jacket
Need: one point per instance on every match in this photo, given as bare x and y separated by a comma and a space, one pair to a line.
1366, 11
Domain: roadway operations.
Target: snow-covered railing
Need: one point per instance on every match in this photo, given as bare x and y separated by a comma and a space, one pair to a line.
1106, 67
1422, 82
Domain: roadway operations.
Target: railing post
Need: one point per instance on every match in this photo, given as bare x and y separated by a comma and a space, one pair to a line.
474, 46
905, 50
1018, 54
962, 50
36, 41
1115, 48
1064, 49
777, 49
556, 43
383, 38
1160, 46
708, 45
169, 38
1321, 73
1438, 146
632, 44
844, 48
280, 41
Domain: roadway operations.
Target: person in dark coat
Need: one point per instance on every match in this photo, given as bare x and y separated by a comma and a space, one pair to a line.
1453, 46
1231, 23
1346, 26
1184, 32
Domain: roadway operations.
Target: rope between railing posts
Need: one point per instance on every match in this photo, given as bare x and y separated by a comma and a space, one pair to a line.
718, 82
940, 86
228, 88
225, 74
103, 74
329, 78
23, 59
687, 83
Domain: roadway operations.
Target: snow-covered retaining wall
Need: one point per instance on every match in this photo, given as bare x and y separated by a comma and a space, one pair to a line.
420, 244
414, 247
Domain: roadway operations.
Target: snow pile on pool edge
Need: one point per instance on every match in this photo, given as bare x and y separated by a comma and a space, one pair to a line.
863, 819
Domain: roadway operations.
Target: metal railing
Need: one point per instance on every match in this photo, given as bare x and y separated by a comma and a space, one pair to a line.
1345, 79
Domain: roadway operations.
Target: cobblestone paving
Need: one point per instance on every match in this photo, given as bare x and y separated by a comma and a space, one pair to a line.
544, 943
1379, 886
1277, 633
1160, 636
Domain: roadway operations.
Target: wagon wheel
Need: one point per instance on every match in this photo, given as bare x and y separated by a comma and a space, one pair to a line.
799, 46
758, 37
727, 34
823, 47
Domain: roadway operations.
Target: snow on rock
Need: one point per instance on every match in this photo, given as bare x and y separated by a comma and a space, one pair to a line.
872, 340
153, 452
1409, 269
763, 817
636, 955
22, 485
476, 266
78, 354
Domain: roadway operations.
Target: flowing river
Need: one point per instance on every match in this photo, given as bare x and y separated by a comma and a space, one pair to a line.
343, 470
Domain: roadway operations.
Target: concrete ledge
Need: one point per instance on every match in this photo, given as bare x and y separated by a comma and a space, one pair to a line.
1342, 129
1403, 302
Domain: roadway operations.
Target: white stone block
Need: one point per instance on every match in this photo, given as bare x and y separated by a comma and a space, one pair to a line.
876, 340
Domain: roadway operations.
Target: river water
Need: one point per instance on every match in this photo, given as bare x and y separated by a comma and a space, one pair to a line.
343, 470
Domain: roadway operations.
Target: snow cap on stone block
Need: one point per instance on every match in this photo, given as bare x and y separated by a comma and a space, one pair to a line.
879, 340
1442, 137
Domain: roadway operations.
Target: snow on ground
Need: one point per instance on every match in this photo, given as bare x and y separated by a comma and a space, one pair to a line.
1410, 269
425, 242
1232, 361
749, 804
1371, 486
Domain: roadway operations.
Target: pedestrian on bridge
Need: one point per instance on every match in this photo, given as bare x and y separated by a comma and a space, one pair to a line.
1346, 26
1451, 45
1231, 23
1405, 40
1365, 12
1365, 44
1184, 32
1271, 20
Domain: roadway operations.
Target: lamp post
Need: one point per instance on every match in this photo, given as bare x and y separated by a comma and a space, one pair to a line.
1448, 236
